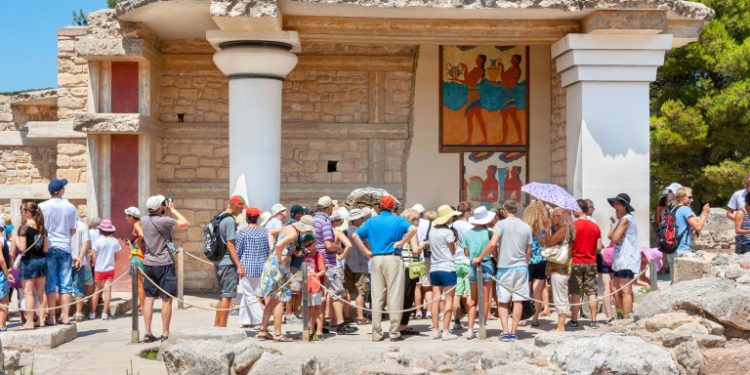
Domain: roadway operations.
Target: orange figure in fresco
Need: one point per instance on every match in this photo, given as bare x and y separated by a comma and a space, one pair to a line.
490, 186
512, 184
510, 79
474, 108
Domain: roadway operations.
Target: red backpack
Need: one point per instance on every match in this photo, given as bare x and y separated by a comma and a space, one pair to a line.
666, 236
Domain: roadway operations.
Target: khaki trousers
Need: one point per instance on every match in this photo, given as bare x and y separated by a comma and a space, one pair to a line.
387, 276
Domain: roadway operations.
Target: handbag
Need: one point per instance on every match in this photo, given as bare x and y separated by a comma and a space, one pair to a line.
559, 253
528, 310
417, 270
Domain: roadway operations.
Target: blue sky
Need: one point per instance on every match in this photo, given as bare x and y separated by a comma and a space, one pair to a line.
28, 39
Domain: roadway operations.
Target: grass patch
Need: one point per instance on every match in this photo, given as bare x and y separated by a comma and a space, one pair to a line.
150, 353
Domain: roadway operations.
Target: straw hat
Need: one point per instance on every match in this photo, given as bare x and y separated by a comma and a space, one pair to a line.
305, 224
445, 213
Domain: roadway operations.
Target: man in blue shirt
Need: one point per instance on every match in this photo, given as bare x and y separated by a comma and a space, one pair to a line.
387, 233
685, 223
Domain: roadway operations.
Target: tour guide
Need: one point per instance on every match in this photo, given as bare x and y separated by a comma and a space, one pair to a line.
387, 234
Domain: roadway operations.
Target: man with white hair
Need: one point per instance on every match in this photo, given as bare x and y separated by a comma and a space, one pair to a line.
278, 218
157, 261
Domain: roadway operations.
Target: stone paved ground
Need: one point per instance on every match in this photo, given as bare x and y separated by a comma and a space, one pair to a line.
102, 347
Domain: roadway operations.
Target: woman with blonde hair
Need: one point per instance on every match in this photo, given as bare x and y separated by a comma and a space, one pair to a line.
559, 273
535, 215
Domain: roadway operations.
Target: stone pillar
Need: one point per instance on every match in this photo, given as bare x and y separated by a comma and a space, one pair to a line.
256, 69
606, 80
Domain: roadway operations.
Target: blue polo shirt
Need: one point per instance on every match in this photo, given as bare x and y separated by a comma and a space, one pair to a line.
383, 231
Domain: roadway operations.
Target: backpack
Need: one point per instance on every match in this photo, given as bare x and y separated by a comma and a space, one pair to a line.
213, 247
666, 236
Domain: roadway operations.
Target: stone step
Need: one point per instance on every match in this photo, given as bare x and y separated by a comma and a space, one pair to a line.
40, 338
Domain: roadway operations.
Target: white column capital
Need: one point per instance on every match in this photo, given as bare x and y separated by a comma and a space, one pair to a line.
255, 54
609, 58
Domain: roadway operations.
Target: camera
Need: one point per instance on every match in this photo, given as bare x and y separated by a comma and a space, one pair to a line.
167, 201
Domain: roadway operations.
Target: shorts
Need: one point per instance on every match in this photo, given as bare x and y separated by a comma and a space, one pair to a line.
624, 274
59, 271
425, 280
582, 280
164, 277
443, 278
488, 270
513, 284
463, 285
602, 267
315, 299
335, 281
81, 279
100, 276
538, 271
227, 280
356, 283
33, 267
4, 286
296, 280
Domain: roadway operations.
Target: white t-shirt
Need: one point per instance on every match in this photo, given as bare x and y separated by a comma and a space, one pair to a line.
424, 224
105, 248
442, 258
461, 226
59, 218
515, 236
737, 202
77, 241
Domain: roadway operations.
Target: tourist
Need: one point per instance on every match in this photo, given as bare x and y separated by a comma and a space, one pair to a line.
590, 212
325, 241
228, 268
742, 229
316, 270
582, 282
60, 222
341, 239
409, 254
93, 236
133, 217
685, 222
443, 271
278, 218
626, 257
294, 305
33, 244
559, 273
253, 246
273, 280
536, 215
158, 266
6, 278
103, 256
387, 234
463, 287
473, 242
514, 239
10, 234
737, 201
423, 292
83, 279
356, 280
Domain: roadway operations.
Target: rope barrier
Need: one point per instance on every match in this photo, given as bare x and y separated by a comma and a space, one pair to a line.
213, 308
198, 259
72, 303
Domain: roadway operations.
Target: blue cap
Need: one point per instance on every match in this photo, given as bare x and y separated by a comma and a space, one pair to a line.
56, 185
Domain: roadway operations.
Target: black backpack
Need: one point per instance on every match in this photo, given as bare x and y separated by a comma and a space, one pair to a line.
213, 247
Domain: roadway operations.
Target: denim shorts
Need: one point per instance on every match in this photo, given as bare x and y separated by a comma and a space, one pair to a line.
227, 280
4, 286
81, 279
624, 274
488, 270
33, 267
164, 276
59, 272
443, 278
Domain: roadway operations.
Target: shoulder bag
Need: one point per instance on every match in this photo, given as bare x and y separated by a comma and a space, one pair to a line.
560, 253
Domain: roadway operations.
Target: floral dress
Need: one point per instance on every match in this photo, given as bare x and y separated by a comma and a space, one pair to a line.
273, 280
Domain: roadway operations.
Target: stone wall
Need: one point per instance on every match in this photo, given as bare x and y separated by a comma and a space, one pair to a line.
27, 164
72, 74
71, 160
558, 131
191, 84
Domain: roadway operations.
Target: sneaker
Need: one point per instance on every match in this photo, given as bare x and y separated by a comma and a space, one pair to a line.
428, 315
609, 320
457, 325
418, 315
105, 316
436, 334
470, 334
512, 337
78, 317
573, 324
92, 316
293, 319
448, 336
504, 337
344, 329
594, 325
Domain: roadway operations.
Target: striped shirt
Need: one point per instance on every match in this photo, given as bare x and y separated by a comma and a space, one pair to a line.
324, 232
252, 249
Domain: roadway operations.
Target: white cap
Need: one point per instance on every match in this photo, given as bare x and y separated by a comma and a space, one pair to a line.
133, 211
419, 208
154, 202
276, 208
325, 201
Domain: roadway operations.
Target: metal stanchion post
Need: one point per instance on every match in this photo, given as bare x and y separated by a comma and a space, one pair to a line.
652, 274
305, 314
134, 335
180, 278
480, 303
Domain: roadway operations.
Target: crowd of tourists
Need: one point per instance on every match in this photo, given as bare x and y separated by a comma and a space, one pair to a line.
361, 264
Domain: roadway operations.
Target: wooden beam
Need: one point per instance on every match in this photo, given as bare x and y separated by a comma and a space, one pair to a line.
220, 189
428, 31
355, 63
39, 191
295, 130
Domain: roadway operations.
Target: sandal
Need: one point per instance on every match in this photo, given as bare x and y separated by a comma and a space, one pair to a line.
363, 321
263, 335
408, 331
535, 323
282, 338
148, 338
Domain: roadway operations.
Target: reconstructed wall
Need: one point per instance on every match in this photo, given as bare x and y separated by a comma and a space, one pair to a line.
558, 132
27, 164
72, 74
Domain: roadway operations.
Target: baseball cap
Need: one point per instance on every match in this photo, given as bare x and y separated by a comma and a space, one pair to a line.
276, 208
133, 211
154, 202
387, 202
296, 209
325, 201
236, 199
419, 208
56, 185
252, 211
308, 237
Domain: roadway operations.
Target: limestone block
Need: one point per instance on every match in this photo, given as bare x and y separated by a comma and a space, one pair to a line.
48, 338
731, 360
106, 122
691, 267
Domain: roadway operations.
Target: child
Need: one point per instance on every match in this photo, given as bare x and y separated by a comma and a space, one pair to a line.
104, 250
316, 271
6, 278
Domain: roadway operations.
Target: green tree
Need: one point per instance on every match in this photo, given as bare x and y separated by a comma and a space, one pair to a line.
79, 19
700, 103
112, 3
